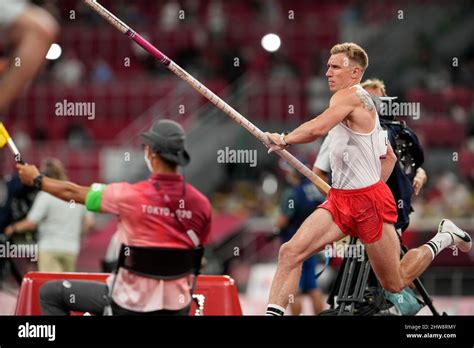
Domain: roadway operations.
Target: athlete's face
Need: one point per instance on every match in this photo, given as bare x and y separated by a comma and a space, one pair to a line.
341, 72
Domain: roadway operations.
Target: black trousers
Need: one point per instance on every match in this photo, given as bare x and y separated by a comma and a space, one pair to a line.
62, 296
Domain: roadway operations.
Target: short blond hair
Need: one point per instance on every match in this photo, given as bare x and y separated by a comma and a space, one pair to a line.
353, 52
374, 84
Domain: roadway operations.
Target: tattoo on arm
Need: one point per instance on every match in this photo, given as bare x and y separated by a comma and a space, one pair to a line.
365, 99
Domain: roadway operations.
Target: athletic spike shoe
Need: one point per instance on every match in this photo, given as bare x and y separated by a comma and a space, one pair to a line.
461, 239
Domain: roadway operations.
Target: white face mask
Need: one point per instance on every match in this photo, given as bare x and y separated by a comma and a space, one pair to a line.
148, 163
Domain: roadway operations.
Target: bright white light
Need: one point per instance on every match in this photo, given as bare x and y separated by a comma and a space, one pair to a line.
271, 42
54, 52
270, 185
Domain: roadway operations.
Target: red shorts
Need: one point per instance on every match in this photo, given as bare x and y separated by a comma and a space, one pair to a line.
362, 212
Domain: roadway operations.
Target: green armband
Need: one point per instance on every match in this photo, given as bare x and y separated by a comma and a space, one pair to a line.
94, 197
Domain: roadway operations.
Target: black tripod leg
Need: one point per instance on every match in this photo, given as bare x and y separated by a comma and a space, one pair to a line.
337, 284
346, 285
421, 289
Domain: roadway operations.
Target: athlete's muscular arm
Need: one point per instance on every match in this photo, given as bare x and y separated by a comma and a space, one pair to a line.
388, 163
64, 190
341, 105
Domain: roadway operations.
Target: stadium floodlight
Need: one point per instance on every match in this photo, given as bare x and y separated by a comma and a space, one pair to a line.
271, 42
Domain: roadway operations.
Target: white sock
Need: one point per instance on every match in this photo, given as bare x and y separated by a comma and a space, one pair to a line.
275, 310
439, 242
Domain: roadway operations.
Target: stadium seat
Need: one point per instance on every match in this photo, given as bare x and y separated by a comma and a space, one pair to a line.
220, 292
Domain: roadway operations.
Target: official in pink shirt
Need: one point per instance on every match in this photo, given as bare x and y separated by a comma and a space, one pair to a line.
163, 211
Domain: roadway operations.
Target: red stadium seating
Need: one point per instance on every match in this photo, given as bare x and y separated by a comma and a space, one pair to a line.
221, 297
466, 163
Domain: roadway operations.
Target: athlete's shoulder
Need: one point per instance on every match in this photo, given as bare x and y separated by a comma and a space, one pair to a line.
197, 196
122, 185
126, 189
362, 98
138, 184
345, 96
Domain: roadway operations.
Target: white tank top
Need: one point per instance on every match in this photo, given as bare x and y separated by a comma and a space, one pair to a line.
355, 157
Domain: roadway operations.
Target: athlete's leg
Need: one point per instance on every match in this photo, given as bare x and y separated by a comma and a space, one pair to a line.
31, 34
316, 231
395, 274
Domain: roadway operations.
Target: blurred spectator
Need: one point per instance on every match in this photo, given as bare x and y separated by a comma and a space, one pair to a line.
169, 17
269, 12
449, 195
353, 13
77, 137
350, 20
101, 72
69, 71
60, 225
22, 138
216, 19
